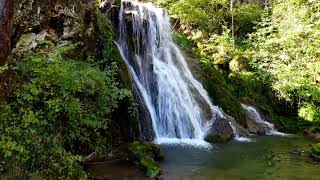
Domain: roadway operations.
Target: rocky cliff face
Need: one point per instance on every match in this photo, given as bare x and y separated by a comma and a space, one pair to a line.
62, 20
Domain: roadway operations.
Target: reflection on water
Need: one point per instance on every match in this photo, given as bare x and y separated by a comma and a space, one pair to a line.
265, 158
116, 170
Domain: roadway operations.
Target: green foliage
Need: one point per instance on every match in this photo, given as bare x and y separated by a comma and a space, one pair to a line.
61, 107
309, 112
286, 54
45, 43
210, 16
59, 111
61, 52
182, 40
216, 85
316, 148
246, 16
148, 155
278, 67
206, 25
105, 41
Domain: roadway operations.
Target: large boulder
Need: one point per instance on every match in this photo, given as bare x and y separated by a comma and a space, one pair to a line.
220, 131
256, 127
258, 120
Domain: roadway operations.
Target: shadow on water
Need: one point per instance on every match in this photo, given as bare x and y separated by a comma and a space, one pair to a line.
115, 170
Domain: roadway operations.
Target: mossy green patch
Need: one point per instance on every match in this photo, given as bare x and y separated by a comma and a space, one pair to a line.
148, 156
216, 86
316, 148
45, 43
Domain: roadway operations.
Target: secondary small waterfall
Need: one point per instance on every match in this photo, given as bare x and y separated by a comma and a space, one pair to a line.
255, 115
179, 106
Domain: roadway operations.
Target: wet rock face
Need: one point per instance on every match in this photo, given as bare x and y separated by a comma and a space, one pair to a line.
257, 127
144, 120
220, 131
111, 8
137, 127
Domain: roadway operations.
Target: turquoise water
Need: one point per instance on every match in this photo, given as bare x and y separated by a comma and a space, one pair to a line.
266, 158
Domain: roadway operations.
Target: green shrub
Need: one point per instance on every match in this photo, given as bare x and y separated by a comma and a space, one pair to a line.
148, 156
286, 54
309, 112
60, 111
245, 18
316, 148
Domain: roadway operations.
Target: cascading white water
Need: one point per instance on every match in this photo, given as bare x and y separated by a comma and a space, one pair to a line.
271, 130
180, 107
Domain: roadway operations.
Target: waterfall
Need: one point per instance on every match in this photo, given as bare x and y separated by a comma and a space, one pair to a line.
255, 115
180, 107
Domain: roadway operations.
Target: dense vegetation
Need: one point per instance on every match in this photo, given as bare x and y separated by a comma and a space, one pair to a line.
61, 104
266, 52
62, 93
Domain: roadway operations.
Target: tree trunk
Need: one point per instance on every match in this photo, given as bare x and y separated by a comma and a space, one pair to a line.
6, 23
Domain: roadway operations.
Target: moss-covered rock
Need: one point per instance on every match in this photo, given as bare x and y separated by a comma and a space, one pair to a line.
213, 80
217, 88
316, 148
315, 152
148, 156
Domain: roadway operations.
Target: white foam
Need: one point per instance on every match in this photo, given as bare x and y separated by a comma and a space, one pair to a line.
198, 143
244, 139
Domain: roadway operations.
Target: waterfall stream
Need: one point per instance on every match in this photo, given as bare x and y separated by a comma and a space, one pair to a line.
255, 115
180, 107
